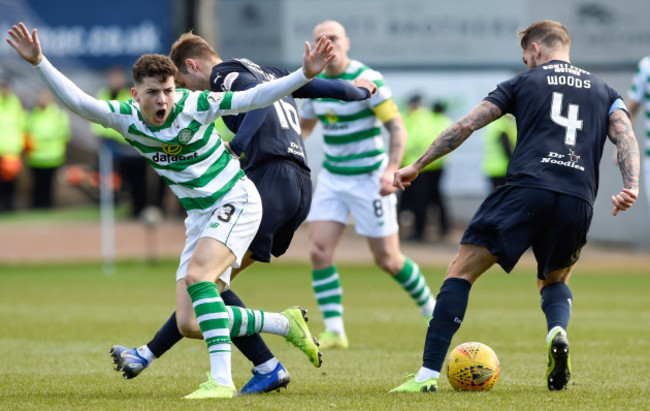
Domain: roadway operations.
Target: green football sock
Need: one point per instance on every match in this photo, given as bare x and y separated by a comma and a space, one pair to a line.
213, 320
328, 292
412, 281
244, 321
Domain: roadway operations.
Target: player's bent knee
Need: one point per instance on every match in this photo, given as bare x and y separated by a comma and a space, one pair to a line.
190, 279
195, 274
390, 265
319, 255
391, 262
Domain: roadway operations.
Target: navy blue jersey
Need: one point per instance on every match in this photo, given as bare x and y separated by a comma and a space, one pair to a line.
269, 133
562, 116
274, 153
272, 133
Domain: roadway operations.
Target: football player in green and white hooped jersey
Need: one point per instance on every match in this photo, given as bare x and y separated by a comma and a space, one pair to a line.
356, 179
638, 96
173, 129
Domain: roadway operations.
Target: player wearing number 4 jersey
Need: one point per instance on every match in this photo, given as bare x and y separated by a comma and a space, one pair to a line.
173, 129
564, 115
356, 180
270, 141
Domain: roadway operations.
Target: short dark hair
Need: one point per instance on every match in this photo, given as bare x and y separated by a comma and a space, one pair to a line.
439, 107
153, 65
190, 46
547, 32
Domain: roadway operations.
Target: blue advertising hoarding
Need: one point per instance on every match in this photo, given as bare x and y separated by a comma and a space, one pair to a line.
93, 34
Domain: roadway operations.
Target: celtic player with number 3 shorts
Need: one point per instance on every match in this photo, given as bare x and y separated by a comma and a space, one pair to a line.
271, 147
356, 180
174, 130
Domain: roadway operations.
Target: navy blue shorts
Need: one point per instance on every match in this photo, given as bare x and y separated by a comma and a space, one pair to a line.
286, 190
511, 219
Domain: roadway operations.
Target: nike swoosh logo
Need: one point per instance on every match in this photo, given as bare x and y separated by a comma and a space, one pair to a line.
126, 356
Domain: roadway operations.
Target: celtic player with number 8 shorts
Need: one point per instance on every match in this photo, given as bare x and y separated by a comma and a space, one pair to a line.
356, 180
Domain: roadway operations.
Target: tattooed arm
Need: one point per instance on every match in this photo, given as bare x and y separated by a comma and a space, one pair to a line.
452, 137
622, 135
397, 145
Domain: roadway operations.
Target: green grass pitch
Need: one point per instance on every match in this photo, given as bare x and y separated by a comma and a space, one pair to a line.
58, 322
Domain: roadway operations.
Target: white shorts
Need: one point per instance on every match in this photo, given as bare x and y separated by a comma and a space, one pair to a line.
338, 196
233, 221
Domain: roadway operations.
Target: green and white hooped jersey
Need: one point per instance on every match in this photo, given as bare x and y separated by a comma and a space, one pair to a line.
186, 151
188, 154
640, 92
351, 130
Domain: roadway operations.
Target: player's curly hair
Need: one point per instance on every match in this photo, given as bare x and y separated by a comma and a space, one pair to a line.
547, 32
153, 65
190, 46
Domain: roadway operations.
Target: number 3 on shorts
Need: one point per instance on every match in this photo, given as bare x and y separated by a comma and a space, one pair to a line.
225, 212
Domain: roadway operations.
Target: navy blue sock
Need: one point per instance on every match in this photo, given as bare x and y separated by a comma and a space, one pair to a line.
252, 346
556, 304
165, 338
448, 314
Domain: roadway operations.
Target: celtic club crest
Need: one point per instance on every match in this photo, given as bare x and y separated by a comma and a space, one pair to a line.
185, 135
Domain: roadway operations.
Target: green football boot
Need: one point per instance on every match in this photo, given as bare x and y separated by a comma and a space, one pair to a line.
300, 336
212, 389
559, 365
430, 385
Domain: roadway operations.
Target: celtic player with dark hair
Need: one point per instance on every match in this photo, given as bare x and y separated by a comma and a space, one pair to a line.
269, 142
224, 208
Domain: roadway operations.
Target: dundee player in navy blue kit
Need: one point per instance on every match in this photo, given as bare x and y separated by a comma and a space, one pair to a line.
271, 144
564, 115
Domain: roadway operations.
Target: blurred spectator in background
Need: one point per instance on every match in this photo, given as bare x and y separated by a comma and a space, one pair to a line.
499, 141
131, 167
48, 132
12, 144
638, 95
423, 125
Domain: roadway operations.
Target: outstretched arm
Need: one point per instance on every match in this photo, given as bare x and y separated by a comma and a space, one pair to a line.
452, 137
337, 89
266, 93
29, 48
622, 135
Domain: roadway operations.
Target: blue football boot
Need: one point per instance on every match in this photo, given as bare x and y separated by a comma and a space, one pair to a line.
128, 361
261, 383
